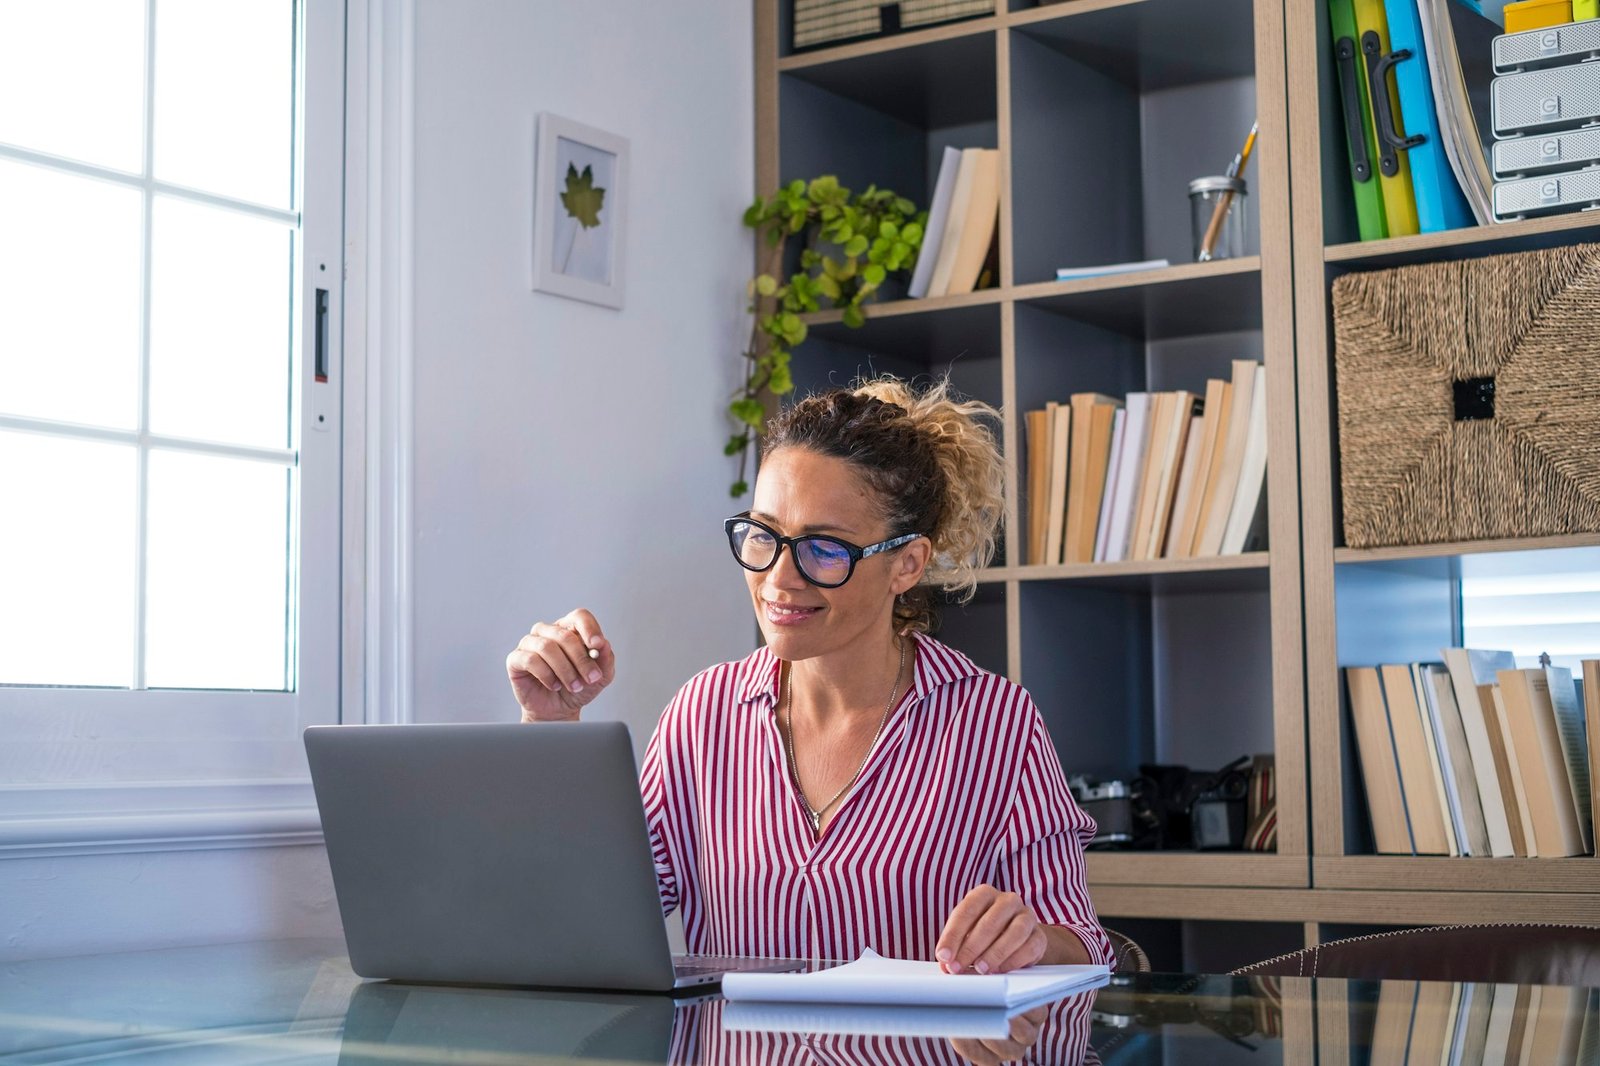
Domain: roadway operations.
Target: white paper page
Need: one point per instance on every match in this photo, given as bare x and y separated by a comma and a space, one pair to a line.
979, 1023
875, 979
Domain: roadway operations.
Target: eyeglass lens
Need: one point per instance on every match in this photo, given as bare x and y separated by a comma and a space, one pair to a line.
823, 561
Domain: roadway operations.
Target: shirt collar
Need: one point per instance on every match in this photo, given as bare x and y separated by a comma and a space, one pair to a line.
937, 665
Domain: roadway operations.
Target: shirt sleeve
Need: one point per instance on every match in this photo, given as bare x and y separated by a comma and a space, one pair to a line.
1042, 846
663, 782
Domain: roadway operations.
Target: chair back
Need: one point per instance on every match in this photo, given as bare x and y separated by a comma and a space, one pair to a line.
1127, 956
1512, 953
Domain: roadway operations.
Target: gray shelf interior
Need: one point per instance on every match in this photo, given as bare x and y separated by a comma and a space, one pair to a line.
1222, 303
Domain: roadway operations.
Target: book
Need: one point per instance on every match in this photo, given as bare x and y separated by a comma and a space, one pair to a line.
1136, 440
1469, 668
1438, 764
1555, 1023
938, 216
1591, 721
1540, 762
955, 218
1162, 406
1361, 144
1462, 778
1379, 772
873, 979
1392, 167
1252, 470
1092, 419
1038, 443
978, 228
1433, 1022
1513, 789
1219, 400
1458, 41
1060, 443
1184, 412
1072, 273
1430, 831
1391, 1023
1218, 505
1573, 746
1188, 474
1119, 423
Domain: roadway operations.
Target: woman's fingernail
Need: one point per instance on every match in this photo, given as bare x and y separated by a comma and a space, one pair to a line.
576, 686
594, 675
982, 967
955, 967
943, 954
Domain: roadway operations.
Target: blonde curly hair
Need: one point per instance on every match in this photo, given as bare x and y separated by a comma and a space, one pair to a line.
932, 460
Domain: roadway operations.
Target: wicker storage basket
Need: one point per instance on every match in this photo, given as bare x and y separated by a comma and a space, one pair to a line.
1468, 398
825, 21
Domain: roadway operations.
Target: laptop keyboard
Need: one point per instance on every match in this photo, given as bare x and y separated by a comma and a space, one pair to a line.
696, 965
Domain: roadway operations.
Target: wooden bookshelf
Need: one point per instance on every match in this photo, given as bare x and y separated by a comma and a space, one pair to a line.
1102, 110
1391, 604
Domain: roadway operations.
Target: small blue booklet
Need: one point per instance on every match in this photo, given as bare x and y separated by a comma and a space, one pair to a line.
873, 979
1069, 273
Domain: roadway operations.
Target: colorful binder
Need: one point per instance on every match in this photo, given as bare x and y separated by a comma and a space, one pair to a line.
1392, 166
1360, 144
1441, 204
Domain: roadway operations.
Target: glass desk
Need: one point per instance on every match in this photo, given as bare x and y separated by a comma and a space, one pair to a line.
298, 1002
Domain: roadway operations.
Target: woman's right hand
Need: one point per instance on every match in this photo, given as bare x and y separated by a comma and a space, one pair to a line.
551, 670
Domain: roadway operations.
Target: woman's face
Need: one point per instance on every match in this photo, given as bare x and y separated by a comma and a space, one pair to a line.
799, 492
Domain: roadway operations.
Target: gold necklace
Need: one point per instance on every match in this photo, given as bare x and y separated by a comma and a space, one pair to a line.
794, 771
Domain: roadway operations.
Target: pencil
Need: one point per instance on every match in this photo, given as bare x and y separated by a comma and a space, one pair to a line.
1220, 212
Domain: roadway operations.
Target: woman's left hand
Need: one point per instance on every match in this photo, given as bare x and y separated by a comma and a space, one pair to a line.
990, 932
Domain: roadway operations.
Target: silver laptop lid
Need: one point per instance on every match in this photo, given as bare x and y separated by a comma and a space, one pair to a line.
491, 854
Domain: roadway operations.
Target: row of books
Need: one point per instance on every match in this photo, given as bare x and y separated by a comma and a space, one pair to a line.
1443, 1023
1474, 756
960, 247
1436, 94
1162, 475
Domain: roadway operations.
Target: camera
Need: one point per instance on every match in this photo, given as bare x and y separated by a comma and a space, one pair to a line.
1122, 811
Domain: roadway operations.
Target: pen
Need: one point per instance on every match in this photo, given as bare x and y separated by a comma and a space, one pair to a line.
1224, 201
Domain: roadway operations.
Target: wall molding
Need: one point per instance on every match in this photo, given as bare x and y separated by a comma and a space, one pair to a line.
98, 819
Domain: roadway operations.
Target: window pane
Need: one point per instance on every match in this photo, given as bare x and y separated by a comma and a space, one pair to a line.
66, 561
1533, 602
219, 325
78, 65
225, 97
69, 297
217, 576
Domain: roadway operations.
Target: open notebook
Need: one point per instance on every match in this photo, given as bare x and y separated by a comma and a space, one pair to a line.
901, 982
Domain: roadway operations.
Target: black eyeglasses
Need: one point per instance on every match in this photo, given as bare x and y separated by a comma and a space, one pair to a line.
826, 562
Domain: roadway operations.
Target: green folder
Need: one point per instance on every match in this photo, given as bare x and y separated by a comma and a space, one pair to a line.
1353, 88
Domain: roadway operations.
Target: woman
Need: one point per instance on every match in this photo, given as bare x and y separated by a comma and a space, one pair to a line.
854, 783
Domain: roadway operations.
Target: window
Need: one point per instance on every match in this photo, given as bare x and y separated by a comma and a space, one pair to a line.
170, 256
1533, 602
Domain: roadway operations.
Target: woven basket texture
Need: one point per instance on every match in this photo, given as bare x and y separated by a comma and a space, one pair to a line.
1410, 471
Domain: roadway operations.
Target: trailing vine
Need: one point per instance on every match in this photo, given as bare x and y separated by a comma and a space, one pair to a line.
853, 243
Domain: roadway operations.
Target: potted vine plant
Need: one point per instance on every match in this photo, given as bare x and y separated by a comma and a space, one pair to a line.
852, 244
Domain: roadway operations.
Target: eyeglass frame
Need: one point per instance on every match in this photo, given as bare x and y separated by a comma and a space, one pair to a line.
855, 552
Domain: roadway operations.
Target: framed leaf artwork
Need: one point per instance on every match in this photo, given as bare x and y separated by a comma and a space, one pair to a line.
579, 210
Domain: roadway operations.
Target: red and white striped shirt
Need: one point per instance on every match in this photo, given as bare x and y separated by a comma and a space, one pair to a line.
962, 788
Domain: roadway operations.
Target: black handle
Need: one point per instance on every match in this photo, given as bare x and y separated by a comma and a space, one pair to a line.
1390, 140
1350, 92
320, 364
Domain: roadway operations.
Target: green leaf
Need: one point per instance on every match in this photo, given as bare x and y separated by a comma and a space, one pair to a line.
781, 381
736, 444
739, 489
888, 229
766, 284
752, 214
797, 187
842, 232
747, 411
828, 285
581, 198
853, 316
874, 274
911, 233
856, 245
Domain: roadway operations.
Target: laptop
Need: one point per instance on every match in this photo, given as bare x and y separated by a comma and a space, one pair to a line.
493, 854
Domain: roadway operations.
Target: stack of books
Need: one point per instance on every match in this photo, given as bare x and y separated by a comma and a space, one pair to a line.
1449, 1022
1474, 756
1159, 475
960, 248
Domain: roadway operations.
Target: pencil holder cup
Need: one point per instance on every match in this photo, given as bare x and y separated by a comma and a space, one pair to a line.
1216, 216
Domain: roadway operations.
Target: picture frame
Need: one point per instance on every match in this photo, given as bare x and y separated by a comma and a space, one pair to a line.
580, 191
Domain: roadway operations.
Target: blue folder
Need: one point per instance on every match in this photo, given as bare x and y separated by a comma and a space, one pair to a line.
1441, 204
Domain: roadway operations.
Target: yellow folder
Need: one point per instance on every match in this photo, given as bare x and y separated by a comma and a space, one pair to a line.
1399, 200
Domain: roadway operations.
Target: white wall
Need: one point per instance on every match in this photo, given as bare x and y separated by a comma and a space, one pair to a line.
564, 454
568, 454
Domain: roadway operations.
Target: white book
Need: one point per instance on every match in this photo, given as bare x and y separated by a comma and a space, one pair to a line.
955, 221
1438, 759
1113, 466
1502, 1015
938, 215
1574, 748
1252, 470
1460, 779
1070, 273
1468, 670
975, 1023
1136, 439
873, 979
